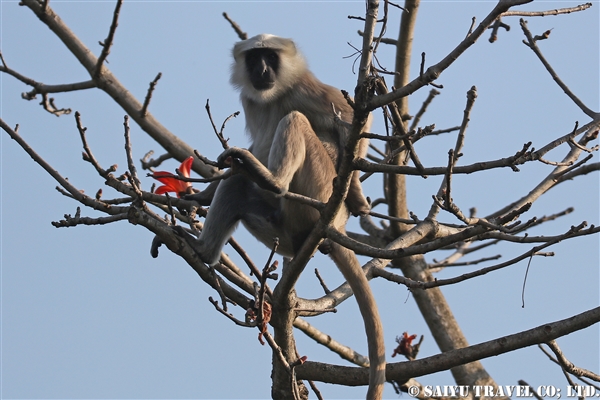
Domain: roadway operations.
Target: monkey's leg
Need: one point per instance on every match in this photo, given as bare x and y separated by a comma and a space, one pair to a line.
298, 160
288, 150
296, 146
349, 266
236, 198
205, 197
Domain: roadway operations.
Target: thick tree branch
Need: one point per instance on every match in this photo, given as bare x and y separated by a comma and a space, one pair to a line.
352, 376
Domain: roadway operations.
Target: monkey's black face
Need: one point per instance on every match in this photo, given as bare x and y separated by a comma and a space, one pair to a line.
262, 66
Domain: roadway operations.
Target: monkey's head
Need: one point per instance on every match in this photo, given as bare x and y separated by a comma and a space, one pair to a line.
266, 66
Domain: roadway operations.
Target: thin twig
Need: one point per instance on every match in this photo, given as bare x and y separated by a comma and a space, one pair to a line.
88, 155
277, 351
48, 104
149, 95
444, 192
568, 366
212, 122
442, 282
547, 13
426, 103
150, 163
70, 221
241, 34
531, 43
326, 340
495, 27
134, 180
464, 263
315, 390
106, 45
230, 316
322, 282
473, 21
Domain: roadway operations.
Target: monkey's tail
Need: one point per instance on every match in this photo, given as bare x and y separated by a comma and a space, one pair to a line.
348, 264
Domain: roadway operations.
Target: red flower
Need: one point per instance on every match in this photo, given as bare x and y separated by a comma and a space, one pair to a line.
171, 183
404, 346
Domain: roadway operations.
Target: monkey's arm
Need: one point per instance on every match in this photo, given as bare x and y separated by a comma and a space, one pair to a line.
243, 161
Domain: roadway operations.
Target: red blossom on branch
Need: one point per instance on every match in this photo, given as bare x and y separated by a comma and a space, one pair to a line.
405, 346
172, 183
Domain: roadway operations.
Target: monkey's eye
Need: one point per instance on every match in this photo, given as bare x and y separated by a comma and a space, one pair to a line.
272, 58
251, 58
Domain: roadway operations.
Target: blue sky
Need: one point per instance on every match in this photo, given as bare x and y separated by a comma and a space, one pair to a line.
87, 313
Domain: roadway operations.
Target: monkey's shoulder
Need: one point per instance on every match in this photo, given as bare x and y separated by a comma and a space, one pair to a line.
315, 97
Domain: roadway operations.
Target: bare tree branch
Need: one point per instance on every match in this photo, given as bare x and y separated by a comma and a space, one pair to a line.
434, 71
343, 351
111, 85
352, 376
556, 11
107, 44
531, 43
568, 366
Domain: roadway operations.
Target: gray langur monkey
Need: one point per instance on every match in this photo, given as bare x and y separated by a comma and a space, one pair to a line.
290, 117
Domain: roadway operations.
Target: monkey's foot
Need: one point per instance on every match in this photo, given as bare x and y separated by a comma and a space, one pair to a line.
198, 246
156, 243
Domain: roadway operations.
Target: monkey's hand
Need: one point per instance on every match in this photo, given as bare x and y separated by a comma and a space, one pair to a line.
326, 246
244, 162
